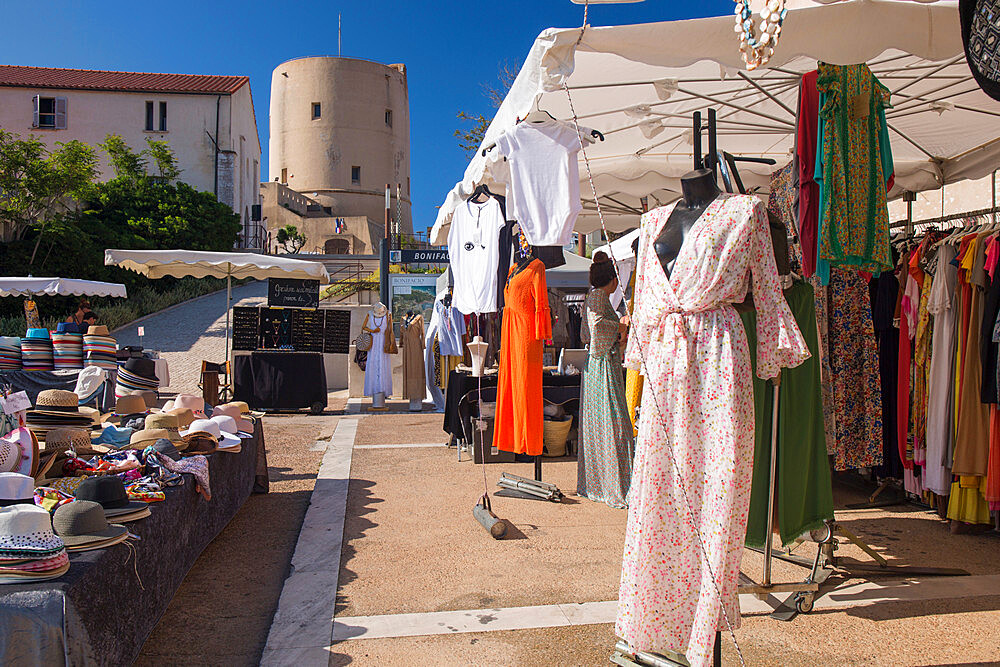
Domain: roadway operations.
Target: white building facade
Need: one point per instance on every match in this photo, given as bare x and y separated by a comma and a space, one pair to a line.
207, 120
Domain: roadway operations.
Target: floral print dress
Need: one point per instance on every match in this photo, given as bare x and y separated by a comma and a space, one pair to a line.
694, 455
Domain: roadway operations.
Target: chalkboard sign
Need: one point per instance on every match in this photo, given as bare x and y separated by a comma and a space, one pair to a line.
291, 293
337, 332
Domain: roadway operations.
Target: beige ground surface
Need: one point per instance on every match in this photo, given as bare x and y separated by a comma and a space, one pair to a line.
222, 612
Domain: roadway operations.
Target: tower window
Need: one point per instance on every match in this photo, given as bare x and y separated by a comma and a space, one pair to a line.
317, 110
388, 117
356, 175
284, 175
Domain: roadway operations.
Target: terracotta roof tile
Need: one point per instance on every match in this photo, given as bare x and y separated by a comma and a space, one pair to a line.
87, 79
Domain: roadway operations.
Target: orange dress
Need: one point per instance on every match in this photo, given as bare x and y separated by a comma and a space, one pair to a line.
526, 327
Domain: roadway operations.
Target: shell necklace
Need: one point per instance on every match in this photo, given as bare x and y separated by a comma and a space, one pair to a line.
757, 50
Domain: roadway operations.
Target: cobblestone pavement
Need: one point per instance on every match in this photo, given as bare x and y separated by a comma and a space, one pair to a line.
191, 332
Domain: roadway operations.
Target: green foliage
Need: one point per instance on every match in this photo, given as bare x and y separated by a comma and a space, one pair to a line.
161, 155
38, 184
126, 163
290, 238
470, 138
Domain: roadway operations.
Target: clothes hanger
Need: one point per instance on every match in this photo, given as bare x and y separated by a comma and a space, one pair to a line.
481, 190
538, 115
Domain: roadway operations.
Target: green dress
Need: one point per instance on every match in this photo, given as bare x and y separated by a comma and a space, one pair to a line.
805, 495
604, 458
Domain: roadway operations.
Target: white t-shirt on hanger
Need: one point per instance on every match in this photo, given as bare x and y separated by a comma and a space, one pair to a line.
474, 254
544, 192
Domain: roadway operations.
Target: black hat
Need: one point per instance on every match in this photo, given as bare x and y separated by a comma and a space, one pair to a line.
145, 368
110, 492
981, 36
167, 448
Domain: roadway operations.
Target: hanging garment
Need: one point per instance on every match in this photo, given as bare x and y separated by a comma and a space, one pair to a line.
474, 254
544, 190
604, 460
412, 339
937, 466
526, 325
432, 356
968, 503
448, 325
883, 297
972, 440
378, 367
857, 399
921, 354
805, 152
804, 492
988, 349
907, 327
505, 250
826, 372
853, 169
694, 454
781, 207
560, 319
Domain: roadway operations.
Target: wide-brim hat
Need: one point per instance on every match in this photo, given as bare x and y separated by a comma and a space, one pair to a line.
244, 427
114, 436
200, 443
37, 334
110, 492
184, 416
19, 452
84, 523
211, 428
62, 439
981, 36
244, 409
27, 529
195, 404
167, 448
147, 436
16, 489
57, 401
127, 407
98, 330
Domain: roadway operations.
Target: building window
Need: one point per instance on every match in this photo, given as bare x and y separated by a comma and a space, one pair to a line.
50, 112
407, 186
149, 116
356, 175
388, 117
284, 175
317, 110
163, 116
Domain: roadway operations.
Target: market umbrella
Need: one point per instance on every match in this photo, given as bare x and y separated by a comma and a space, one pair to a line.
12, 286
203, 264
640, 84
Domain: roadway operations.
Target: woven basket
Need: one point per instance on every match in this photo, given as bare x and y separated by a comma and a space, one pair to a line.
554, 435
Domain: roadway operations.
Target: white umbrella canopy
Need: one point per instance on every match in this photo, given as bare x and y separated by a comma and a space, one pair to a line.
30, 286
204, 264
640, 84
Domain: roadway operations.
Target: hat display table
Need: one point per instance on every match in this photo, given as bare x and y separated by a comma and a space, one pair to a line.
280, 380
99, 612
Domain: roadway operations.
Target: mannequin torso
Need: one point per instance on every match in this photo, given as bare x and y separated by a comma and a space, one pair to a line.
699, 191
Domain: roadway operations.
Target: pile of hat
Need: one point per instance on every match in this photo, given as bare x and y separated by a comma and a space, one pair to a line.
67, 347
10, 353
55, 408
36, 350
130, 412
18, 452
29, 550
99, 348
137, 375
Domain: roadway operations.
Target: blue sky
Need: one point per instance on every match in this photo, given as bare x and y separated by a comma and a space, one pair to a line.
450, 50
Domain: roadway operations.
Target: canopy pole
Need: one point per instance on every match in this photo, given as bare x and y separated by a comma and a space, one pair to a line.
229, 303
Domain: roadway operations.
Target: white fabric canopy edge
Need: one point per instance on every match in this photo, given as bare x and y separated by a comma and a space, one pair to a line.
31, 286
204, 264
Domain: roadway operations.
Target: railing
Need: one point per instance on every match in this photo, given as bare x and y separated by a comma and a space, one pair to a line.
346, 281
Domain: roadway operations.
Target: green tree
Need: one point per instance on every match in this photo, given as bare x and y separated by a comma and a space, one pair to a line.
38, 185
291, 239
125, 162
471, 137
161, 155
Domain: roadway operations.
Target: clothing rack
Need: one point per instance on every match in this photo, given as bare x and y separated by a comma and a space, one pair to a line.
947, 218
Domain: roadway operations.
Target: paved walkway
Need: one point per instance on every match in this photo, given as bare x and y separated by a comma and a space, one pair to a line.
191, 332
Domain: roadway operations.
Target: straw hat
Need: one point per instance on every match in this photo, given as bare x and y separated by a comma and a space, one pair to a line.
28, 529
195, 404
57, 401
61, 439
244, 409
127, 406
163, 421
99, 330
19, 452
184, 416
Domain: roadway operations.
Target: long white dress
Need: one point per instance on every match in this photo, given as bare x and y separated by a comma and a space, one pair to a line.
694, 454
937, 475
378, 368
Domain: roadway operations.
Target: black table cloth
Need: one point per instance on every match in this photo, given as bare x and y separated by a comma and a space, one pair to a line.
102, 610
557, 389
280, 380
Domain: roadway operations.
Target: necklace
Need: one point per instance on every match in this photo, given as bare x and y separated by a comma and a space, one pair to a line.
758, 50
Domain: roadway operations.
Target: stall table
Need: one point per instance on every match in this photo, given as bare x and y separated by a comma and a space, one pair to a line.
102, 610
558, 389
280, 380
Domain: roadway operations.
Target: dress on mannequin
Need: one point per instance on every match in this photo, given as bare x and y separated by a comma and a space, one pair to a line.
694, 453
412, 339
378, 369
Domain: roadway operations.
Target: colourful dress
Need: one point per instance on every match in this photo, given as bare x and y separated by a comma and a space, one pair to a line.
604, 460
937, 469
526, 326
694, 455
853, 169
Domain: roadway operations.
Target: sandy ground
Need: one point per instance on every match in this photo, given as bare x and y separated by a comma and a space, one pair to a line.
222, 612
411, 545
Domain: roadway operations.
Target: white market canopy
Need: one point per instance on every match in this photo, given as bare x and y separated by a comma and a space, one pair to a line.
203, 264
640, 84
10, 286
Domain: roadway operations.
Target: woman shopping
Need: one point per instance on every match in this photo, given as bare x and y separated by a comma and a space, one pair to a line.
604, 468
